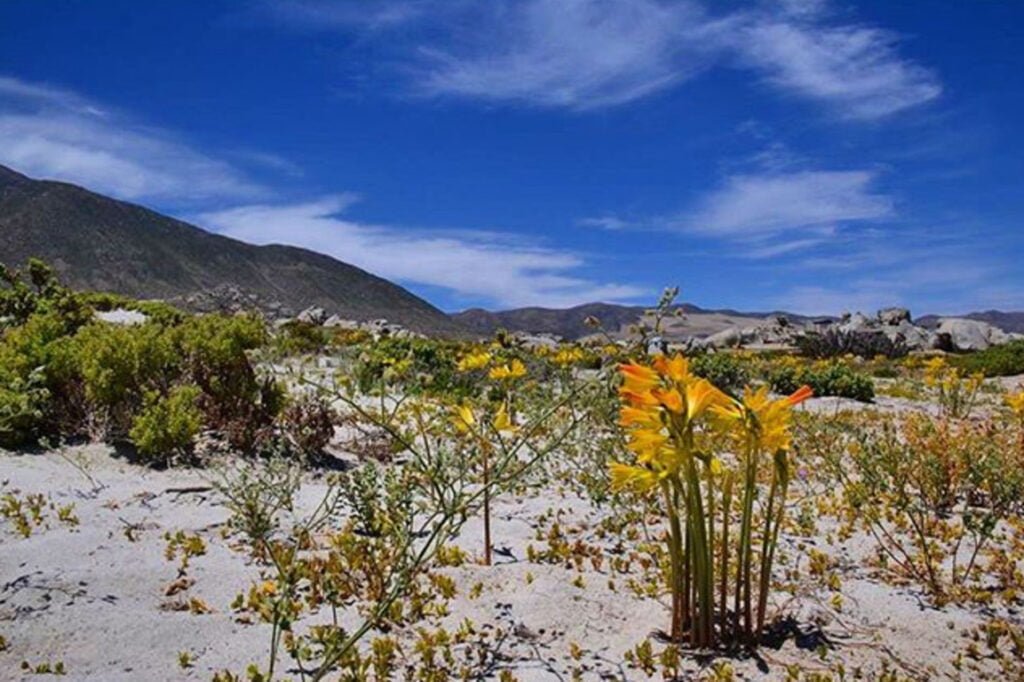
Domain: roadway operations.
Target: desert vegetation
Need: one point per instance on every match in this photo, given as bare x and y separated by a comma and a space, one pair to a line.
333, 504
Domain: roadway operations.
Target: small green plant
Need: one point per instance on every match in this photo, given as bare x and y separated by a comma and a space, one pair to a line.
998, 361
167, 426
833, 378
728, 371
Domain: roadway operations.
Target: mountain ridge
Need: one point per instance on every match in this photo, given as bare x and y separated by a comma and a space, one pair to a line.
103, 244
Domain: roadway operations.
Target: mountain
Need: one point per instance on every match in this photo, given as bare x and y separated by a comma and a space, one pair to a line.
102, 244
615, 319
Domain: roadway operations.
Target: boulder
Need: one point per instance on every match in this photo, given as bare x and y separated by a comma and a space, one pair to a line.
892, 317
313, 315
338, 322
858, 322
727, 338
916, 338
122, 316
967, 335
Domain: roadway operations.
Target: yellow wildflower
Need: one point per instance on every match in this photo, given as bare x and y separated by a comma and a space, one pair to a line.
626, 477
474, 361
568, 356
512, 370
1015, 402
502, 422
464, 419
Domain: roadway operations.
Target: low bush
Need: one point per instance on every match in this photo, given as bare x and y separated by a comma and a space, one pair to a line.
62, 373
167, 425
420, 365
997, 361
307, 425
933, 493
726, 370
825, 379
300, 338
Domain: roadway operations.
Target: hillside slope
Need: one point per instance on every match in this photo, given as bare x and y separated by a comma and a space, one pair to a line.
99, 243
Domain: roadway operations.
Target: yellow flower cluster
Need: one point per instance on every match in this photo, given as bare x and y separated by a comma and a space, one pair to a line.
474, 361
1015, 402
569, 356
511, 370
662, 404
666, 410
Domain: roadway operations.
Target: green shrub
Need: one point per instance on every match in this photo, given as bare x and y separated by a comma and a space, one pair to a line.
167, 425
997, 361
421, 365
725, 370
117, 366
300, 338
832, 379
23, 405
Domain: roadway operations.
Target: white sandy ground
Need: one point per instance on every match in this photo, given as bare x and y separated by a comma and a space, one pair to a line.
91, 597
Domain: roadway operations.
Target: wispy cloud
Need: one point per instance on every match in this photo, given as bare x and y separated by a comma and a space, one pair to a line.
769, 204
576, 54
54, 133
607, 222
855, 69
483, 266
589, 54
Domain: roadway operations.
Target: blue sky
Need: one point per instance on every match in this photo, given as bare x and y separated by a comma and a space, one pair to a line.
802, 154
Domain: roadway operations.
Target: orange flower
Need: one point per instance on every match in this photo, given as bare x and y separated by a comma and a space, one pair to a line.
637, 378
671, 399
637, 416
801, 394
640, 398
676, 369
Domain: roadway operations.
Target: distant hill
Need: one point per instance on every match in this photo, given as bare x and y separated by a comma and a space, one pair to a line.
569, 322
102, 244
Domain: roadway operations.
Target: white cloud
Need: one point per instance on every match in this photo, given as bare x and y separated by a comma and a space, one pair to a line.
577, 54
588, 54
763, 205
53, 133
856, 69
472, 265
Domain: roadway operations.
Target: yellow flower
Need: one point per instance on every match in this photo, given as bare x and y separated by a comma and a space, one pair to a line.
639, 416
676, 369
766, 420
501, 421
513, 370
464, 419
672, 399
700, 395
568, 356
474, 361
934, 370
1016, 403
626, 477
647, 443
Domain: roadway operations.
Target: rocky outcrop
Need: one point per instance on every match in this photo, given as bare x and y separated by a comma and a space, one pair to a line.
775, 331
379, 328
963, 334
951, 334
